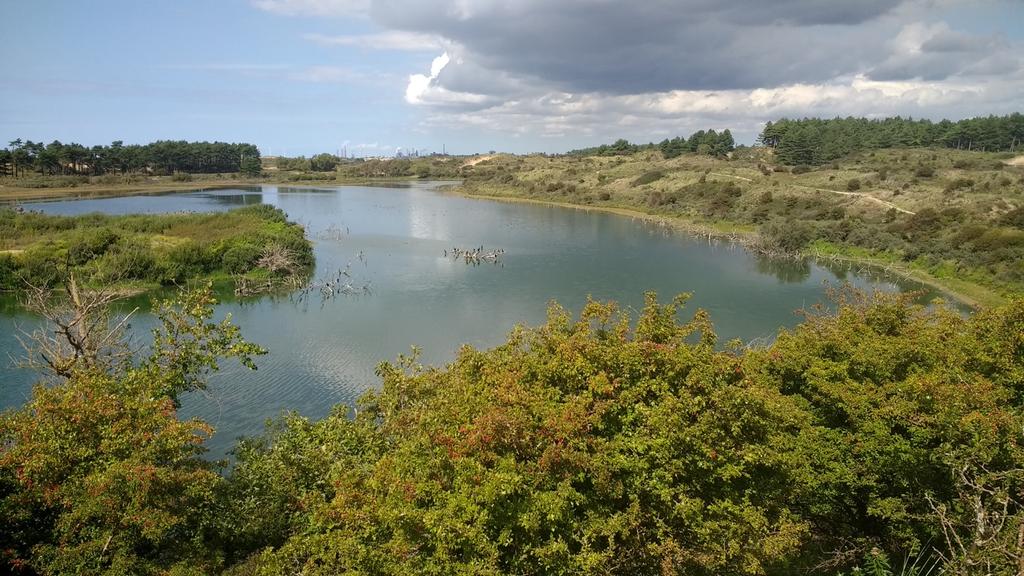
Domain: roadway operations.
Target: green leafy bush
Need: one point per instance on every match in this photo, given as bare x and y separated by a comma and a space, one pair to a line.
240, 258
649, 177
959, 184
924, 171
90, 243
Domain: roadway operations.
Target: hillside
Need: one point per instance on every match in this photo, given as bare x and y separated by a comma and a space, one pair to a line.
956, 217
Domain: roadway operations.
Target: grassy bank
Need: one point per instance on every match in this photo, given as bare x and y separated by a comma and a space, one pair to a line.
942, 217
138, 252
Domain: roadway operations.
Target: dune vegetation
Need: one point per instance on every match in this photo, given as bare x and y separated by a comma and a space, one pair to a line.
948, 216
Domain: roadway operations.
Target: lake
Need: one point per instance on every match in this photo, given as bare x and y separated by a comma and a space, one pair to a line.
391, 241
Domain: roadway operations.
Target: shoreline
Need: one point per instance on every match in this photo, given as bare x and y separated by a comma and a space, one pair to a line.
972, 294
986, 297
14, 195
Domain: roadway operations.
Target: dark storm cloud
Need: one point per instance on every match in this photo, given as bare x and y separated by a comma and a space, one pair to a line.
635, 47
799, 12
648, 68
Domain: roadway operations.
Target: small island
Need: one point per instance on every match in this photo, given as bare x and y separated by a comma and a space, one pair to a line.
256, 246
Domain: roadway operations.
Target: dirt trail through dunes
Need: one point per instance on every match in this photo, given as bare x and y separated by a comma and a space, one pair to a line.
475, 161
863, 195
1018, 161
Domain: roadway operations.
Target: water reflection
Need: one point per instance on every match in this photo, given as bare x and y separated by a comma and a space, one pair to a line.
393, 238
787, 270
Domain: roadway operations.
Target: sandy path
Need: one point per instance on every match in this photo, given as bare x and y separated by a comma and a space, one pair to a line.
863, 195
476, 161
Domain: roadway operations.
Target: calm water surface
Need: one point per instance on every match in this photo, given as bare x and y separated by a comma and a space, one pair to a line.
321, 355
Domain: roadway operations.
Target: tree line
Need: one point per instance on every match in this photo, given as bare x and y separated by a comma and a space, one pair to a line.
814, 141
707, 142
23, 157
323, 162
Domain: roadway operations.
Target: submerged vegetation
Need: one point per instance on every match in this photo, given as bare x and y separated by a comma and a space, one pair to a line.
876, 433
256, 242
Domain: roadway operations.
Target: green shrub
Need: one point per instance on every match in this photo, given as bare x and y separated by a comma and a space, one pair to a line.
40, 264
9, 272
187, 260
166, 248
790, 236
1014, 218
959, 184
924, 171
853, 185
130, 259
240, 258
90, 243
649, 177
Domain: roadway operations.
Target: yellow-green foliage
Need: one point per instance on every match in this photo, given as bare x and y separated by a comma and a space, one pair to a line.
590, 445
597, 446
98, 475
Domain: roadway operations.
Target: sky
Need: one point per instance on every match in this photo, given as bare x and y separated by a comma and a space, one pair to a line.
370, 77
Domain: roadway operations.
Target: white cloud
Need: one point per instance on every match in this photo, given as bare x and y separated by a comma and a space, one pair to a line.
645, 117
423, 89
419, 84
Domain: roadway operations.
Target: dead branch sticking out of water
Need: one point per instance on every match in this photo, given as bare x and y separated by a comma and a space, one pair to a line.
342, 283
333, 232
248, 286
475, 256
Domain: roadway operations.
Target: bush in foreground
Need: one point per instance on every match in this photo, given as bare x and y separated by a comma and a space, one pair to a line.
880, 431
590, 446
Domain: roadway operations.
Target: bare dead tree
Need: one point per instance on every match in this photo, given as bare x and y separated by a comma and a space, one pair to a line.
987, 533
277, 259
78, 332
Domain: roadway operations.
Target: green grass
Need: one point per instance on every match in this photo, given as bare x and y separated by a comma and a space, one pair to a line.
136, 252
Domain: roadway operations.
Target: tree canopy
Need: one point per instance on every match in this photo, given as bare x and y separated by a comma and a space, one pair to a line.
815, 141
162, 157
701, 142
